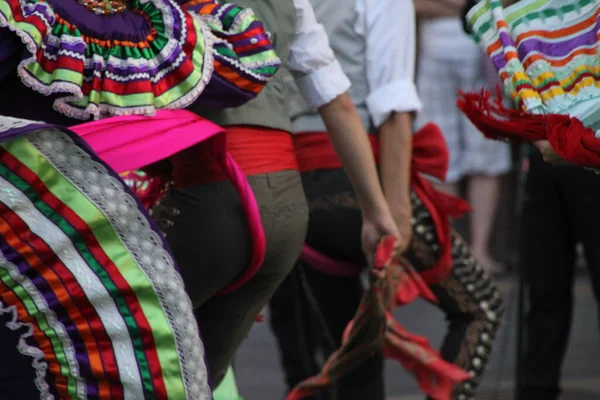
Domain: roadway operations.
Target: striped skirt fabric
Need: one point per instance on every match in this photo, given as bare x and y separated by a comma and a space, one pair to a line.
86, 279
545, 52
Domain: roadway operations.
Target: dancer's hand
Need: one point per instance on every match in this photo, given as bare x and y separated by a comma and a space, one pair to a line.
548, 153
375, 225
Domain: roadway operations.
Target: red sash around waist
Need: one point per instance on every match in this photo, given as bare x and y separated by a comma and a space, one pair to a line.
430, 156
255, 150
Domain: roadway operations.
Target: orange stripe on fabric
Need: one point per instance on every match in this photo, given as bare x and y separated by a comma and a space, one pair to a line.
239, 80
208, 6
497, 45
55, 282
9, 297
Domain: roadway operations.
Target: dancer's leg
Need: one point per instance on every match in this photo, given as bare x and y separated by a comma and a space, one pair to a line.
296, 330
547, 257
338, 299
473, 308
581, 189
334, 229
467, 296
209, 237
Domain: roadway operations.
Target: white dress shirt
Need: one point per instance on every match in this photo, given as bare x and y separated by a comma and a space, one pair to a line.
312, 63
389, 29
375, 42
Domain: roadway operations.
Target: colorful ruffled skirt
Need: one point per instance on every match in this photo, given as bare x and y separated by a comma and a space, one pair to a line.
153, 58
87, 283
155, 54
546, 54
89, 291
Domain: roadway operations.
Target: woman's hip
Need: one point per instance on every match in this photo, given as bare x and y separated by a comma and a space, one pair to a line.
208, 230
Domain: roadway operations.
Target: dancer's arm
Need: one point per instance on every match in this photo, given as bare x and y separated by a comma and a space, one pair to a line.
352, 145
324, 85
393, 99
395, 155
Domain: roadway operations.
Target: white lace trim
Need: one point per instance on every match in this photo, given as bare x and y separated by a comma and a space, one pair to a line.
217, 25
52, 320
38, 363
63, 105
8, 123
144, 244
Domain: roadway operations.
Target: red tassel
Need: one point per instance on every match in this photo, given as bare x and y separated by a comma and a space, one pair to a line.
496, 121
569, 137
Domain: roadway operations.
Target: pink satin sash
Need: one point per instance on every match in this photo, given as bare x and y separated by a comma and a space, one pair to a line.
132, 142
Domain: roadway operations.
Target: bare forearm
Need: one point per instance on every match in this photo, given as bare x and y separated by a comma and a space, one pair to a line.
437, 8
354, 149
395, 144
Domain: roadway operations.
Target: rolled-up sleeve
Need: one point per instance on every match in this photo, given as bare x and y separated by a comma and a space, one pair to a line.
390, 30
317, 73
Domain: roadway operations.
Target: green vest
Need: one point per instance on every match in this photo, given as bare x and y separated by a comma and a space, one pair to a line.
270, 108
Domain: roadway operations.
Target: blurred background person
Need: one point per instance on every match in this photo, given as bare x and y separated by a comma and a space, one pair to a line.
450, 61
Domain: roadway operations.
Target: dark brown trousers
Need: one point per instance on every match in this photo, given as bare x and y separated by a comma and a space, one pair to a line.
208, 233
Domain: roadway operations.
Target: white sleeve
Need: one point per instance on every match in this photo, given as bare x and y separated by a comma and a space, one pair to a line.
311, 61
390, 30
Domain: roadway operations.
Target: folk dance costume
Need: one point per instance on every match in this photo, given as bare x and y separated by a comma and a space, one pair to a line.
546, 54
92, 304
201, 215
557, 42
381, 71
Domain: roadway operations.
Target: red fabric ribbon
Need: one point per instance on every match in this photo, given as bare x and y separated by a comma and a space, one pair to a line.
435, 376
373, 328
568, 136
430, 157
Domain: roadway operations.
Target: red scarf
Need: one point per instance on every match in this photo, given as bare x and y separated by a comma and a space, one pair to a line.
568, 136
373, 328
